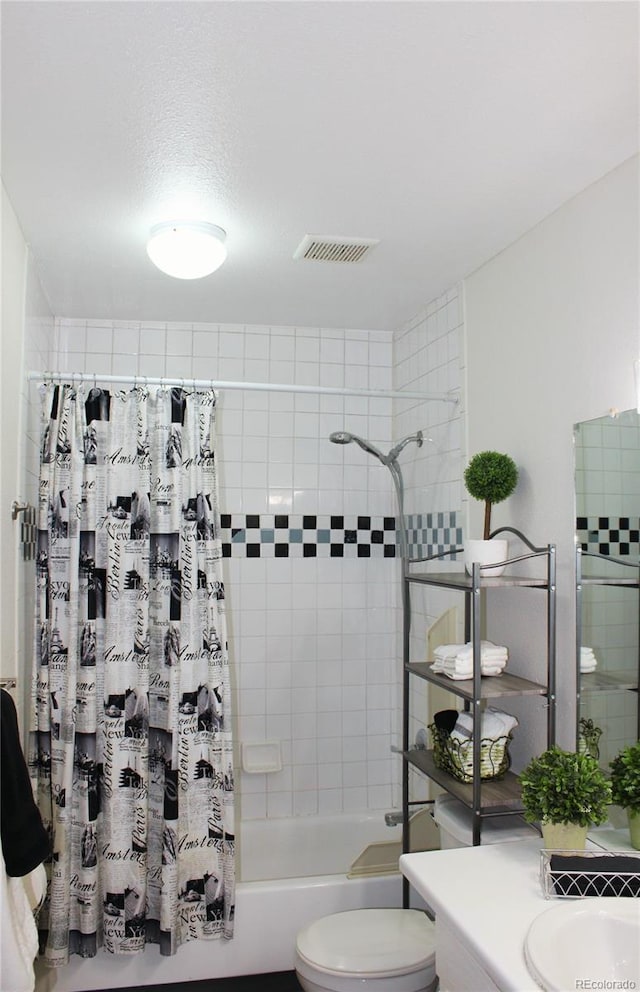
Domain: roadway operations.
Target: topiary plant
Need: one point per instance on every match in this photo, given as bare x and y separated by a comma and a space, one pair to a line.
625, 778
490, 477
564, 787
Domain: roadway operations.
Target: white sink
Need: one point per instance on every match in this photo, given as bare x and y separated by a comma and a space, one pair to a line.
585, 943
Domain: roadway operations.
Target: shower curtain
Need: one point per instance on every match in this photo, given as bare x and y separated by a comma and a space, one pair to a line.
131, 748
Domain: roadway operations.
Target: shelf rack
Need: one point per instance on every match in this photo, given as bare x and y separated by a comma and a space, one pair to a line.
497, 797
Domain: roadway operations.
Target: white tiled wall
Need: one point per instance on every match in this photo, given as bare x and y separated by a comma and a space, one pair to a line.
608, 466
428, 356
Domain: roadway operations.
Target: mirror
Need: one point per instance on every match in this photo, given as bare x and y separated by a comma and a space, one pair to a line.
607, 478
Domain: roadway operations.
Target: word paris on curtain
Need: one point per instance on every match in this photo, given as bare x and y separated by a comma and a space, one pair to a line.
131, 748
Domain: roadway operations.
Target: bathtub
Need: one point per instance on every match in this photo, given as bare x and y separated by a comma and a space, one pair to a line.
291, 871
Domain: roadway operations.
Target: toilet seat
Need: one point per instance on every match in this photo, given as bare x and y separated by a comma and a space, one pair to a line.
366, 945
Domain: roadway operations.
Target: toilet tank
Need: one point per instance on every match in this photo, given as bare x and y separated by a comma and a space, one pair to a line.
455, 822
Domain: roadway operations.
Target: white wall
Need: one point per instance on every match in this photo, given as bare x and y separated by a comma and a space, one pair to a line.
14, 268
26, 335
552, 331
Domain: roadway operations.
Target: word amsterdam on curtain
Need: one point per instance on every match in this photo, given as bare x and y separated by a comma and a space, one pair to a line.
131, 748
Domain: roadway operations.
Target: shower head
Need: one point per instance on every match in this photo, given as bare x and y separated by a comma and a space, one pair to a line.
418, 438
344, 437
341, 437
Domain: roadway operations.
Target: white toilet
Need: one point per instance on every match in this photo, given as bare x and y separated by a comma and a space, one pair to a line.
388, 950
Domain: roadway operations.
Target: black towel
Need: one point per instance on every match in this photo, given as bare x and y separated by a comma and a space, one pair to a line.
446, 719
25, 842
612, 875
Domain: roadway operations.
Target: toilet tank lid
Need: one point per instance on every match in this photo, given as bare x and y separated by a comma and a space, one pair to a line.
371, 943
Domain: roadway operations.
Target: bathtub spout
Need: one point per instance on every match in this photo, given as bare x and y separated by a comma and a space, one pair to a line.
393, 819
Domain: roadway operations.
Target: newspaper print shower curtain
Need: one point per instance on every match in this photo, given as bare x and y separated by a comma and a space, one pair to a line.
131, 747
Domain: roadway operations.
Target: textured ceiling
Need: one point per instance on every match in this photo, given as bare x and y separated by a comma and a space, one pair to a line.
443, 129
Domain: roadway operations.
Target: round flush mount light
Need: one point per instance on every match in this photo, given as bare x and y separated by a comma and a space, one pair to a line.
187, 249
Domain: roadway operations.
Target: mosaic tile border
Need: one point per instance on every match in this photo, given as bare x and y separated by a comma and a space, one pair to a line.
288, 535
433, 533
265, 535
616, 536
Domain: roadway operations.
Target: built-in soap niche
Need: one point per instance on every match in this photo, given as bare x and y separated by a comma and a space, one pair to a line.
261, 757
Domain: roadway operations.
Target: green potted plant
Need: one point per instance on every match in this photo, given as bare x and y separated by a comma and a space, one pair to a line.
625, 787
566, 793
490, 477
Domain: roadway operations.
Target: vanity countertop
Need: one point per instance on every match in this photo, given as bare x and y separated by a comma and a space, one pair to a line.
489, 895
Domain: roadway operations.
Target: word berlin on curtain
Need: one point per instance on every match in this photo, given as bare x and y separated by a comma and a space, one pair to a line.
131, 749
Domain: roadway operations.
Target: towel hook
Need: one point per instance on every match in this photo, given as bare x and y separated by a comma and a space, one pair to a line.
17, 508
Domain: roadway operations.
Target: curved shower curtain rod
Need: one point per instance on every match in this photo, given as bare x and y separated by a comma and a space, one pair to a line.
272, 387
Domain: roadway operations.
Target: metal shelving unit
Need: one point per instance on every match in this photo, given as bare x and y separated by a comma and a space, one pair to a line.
615, 573
497, 797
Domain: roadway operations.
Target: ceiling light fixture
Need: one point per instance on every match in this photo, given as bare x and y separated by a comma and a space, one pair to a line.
187, 249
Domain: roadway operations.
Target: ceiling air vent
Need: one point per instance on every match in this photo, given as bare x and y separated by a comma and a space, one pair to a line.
321, 248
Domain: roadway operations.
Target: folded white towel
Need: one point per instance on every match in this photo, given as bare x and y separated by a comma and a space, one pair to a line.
462, 668
588, 660
457, 662
464, 652
488, 651
493, 724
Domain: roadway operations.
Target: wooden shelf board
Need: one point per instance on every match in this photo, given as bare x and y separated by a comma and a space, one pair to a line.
607, 681
608, 580
463, 582
491, 687
503, 792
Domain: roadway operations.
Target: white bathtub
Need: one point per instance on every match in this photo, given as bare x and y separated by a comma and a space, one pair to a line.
311, 856
309, 845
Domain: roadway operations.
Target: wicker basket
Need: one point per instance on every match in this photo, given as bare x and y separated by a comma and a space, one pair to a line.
456, 757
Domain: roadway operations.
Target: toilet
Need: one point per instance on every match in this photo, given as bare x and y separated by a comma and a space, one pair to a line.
391, 950
388, 950
455, 823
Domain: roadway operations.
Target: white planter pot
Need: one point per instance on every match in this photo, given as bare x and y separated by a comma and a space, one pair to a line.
486, 553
